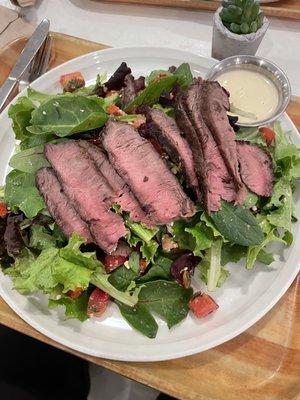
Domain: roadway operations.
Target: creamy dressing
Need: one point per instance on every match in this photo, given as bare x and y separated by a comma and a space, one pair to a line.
250, 92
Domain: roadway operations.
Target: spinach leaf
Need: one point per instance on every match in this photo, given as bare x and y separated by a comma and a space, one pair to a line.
152, 92
21, 193
20, 113
40, 97
75, 308
184, 74
139, 318
238, 225
159, 270
122, 277
36, 140
65, 115
167, 299
30, 160
134, 262
232, 253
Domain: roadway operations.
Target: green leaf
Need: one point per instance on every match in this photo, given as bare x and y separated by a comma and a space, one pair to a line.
134, 262
122, 277
238, 225
167, 299
70, 275
36, 140
232, 253
40, 238
149, 250
265, 258
30, 160
65, 115
75, 308
159, 270
21, 193
40, 97
257, 253
101, 280
251, 135
203, 236
20, 113
72, 253
139, 318
141, 231
151, 93
184, 74
210, 267
183, 238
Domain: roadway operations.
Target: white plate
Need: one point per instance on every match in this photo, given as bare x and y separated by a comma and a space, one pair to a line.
245, 297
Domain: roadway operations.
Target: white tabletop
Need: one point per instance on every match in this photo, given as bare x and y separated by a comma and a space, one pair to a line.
128, 25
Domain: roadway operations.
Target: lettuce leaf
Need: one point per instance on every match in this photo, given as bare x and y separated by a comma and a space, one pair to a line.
74, 308
20, 114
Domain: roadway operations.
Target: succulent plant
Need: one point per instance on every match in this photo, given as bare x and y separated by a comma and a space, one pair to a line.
241, 16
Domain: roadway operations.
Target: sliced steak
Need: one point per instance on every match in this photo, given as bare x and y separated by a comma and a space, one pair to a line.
145, 172
59, 206
212, 173
214, 107
88, 191
165, 130
256, 168
124, 197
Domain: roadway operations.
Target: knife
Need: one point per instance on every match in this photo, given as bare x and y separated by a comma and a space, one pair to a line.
30, 50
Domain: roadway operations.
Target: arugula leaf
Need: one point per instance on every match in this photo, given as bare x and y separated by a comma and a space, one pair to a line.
238, 225
30, 160
159, 270
122, 277
21, 193
20, 113
185, 76
75, 308
167, 299
65, 115
251, 135
140, 318
152, 92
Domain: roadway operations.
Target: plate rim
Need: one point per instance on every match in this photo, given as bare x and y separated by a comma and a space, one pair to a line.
142, 358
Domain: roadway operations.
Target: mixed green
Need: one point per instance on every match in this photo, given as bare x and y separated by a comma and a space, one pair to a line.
155, 278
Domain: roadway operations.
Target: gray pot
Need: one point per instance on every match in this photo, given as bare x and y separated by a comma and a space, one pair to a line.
226, 43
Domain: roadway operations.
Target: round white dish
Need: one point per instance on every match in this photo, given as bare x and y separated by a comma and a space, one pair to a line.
244, 298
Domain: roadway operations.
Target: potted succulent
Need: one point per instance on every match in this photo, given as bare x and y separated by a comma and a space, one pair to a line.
239, 26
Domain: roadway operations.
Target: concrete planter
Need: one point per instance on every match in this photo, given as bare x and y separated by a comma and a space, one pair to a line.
226, 43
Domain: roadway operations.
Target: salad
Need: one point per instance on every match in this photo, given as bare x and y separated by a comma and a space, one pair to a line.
121, 191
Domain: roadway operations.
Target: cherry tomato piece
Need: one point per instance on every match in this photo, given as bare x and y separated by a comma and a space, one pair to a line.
72, 81
202, 304
73, 294
268, 134
3, 209
97, 303
111, 262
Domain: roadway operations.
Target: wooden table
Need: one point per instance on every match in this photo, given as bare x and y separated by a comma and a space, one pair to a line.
263, 363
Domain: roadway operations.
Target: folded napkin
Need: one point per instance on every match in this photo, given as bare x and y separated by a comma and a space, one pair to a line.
12, 27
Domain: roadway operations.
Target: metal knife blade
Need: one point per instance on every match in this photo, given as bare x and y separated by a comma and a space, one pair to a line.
30, 50
32, 47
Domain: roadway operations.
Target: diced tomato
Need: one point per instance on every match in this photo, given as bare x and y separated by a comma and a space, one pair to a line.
143, 264
268, 134
113, 110
111, 262
3, 209
97, 303
72, 81
202, 304
73, 294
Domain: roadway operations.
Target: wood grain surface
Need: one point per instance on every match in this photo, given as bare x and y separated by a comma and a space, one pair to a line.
282, 9
263, 363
